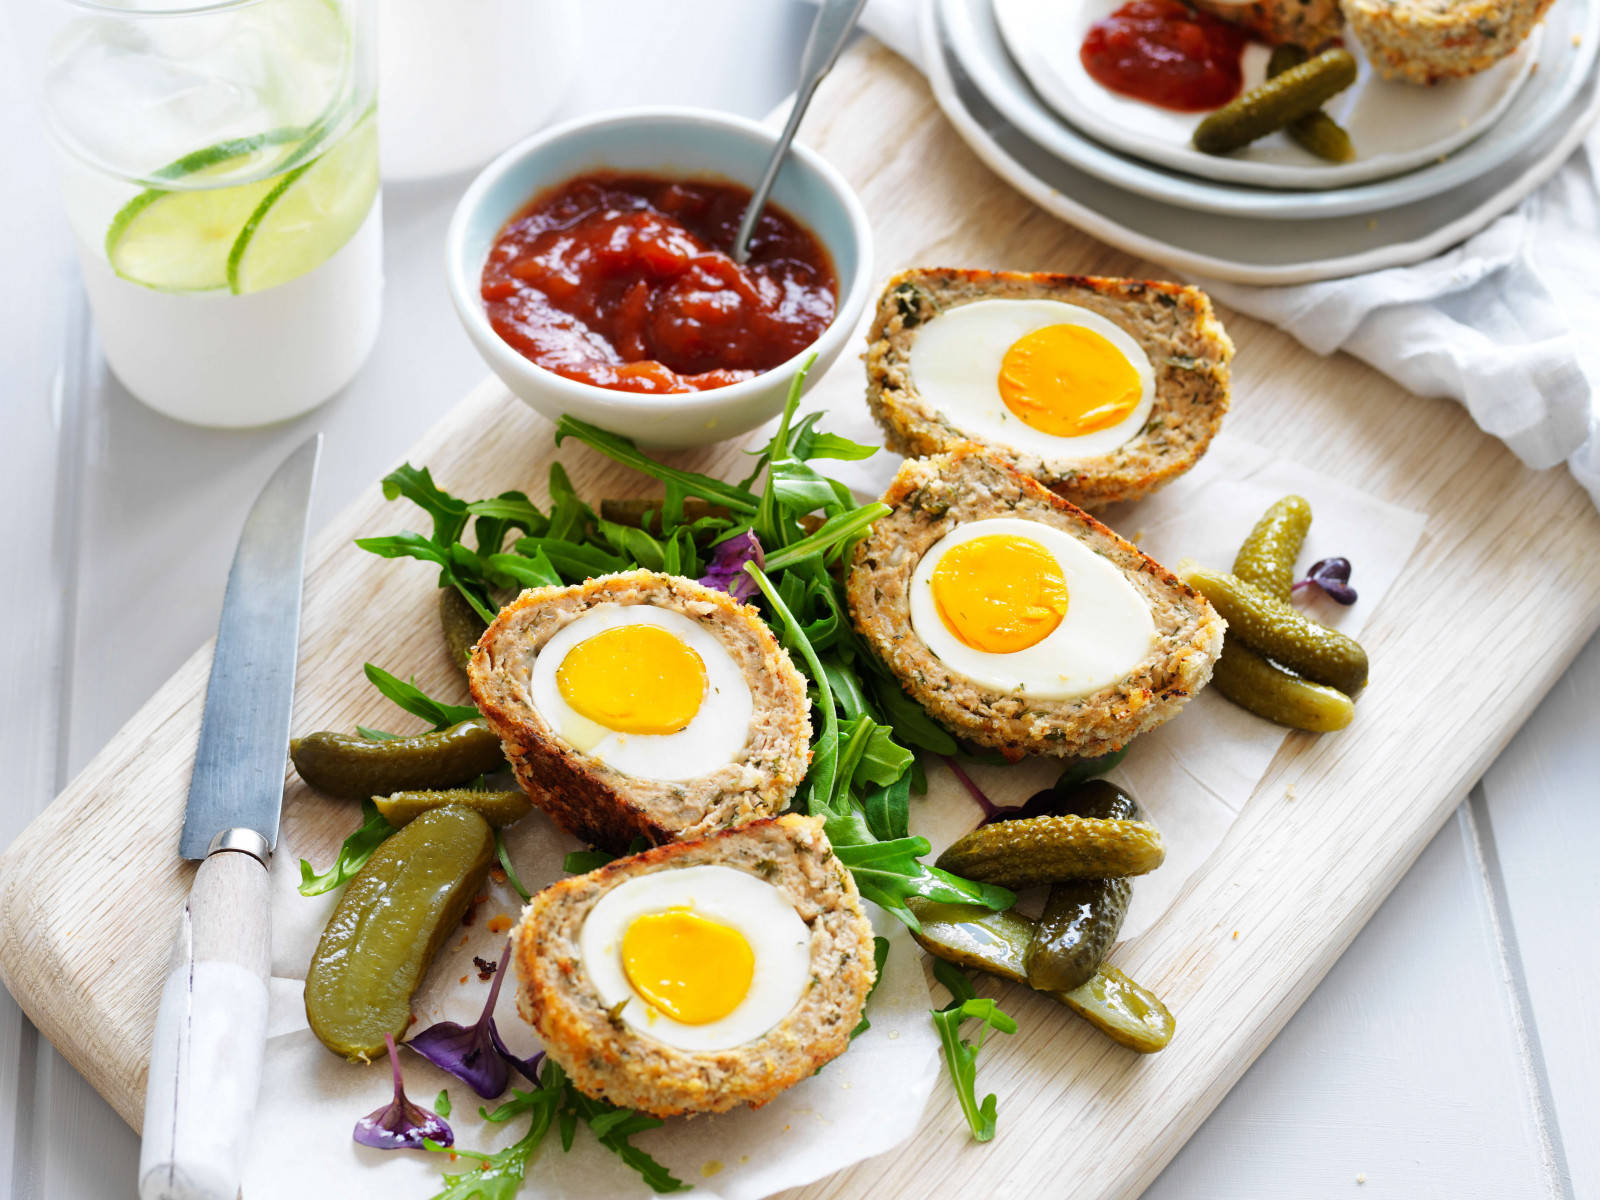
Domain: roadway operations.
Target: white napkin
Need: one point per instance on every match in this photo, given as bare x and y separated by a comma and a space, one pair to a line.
1502, 323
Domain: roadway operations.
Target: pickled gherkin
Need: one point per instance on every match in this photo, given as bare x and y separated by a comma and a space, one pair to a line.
1268, 555
355, 768
498, 808
1079, 925
1315, 132
460, 624
1269, 691
971, 935
386, 928
1081, 918
1122, 1010
1273, 104
1035, 850
1281, 632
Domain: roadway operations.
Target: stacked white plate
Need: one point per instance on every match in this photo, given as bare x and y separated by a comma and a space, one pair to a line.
1433, 165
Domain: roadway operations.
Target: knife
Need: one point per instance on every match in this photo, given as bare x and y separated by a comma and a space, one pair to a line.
211, 1029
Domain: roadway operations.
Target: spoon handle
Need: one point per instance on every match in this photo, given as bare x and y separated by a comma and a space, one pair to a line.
829, 32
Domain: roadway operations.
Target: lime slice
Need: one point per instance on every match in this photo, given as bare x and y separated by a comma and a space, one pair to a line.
179, 240
311, 212
236, 156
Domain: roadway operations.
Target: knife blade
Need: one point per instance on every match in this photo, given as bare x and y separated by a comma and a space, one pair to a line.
238, 768
210, 1033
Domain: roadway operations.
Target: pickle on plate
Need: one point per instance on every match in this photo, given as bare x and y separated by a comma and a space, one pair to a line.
1285, 56
498, 808
392, 918
355, 768
1268, 555
1274, 103
971, 935
1035, 850
460, 624
1122, 1010
1269, 691
1081, 920
1315, 132
1280, 631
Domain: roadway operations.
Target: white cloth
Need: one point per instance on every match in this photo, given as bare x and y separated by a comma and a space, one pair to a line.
1507, 323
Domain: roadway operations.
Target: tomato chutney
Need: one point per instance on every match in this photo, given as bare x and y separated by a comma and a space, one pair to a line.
625, 281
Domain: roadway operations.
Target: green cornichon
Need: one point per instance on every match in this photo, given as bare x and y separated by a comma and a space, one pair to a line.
1315, 132
996, 942
1035, 850
460, 624
1269, 691
1122, 1009
498, 808
1281, 632
1079, 924
392, 918
356, 768
971, 935
1081, 917
1271, 105
1268, 554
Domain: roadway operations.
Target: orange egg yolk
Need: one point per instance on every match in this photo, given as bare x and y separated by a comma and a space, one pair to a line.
1067, 381
634, 679
693, 969
999, 593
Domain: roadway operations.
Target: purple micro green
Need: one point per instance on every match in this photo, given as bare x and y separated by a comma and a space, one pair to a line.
726, 570
400, 1124
474, 1053
1332, 575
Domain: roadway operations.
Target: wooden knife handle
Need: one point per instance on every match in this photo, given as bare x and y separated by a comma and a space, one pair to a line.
210, 1039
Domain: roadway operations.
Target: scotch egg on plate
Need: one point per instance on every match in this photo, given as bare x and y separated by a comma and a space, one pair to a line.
700, 975
1017, 620
1102, 389
643, 705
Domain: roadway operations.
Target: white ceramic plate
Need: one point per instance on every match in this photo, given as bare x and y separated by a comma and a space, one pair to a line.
1242, 250
1395, 126
1570, 43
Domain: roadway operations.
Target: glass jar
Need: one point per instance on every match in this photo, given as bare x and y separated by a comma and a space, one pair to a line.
219, 169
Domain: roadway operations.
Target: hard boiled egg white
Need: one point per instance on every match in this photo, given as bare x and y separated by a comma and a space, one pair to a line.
701, 958
1036, 376
645, 690
1024, 608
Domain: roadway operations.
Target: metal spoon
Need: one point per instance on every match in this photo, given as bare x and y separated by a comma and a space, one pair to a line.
835, 20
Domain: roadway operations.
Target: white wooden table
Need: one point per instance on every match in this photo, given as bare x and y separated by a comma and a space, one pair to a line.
1453, 1052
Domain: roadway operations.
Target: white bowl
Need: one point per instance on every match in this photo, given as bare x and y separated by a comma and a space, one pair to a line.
677, 143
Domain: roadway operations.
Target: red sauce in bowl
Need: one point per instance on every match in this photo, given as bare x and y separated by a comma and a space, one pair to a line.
624, 281
1168, 54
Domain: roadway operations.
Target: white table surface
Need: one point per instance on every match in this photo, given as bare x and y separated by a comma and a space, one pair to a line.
1453, 1052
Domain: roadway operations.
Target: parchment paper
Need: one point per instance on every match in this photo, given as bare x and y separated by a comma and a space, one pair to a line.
1193, 775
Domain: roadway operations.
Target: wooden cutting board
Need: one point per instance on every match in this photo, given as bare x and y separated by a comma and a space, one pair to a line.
1504, 589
